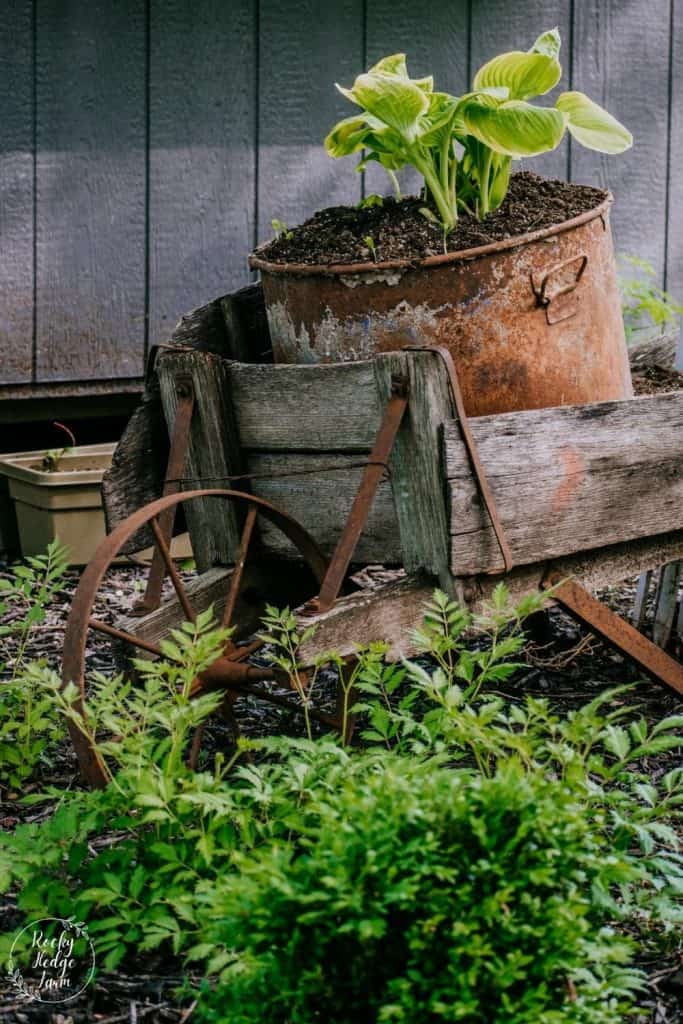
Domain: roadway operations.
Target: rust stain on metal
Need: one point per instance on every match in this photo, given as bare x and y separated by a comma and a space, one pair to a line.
574, 473
530, 322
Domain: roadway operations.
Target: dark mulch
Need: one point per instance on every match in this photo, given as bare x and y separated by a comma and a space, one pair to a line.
399, 231
654, 380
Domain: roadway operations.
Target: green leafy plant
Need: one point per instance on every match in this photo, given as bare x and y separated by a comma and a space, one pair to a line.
471, 862
280, 228
464, 146
53, 456
30, 726
369, 242
368, 202
25, 594
643, 302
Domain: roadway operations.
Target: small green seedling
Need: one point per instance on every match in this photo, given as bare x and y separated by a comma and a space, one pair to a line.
370, 244
643, 302
53, 456
369, 201
280, 228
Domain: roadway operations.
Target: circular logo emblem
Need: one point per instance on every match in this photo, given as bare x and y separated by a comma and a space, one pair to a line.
51, 960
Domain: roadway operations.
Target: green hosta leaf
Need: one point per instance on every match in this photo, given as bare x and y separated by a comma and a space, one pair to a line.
396, 102
524, 74
513, 128
392, 65
396, 65
348, 136
548, 43
592, 126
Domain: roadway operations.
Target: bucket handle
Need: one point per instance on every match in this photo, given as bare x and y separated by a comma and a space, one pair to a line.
545, 300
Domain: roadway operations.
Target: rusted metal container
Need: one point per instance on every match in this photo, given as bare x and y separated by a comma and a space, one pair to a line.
531, 321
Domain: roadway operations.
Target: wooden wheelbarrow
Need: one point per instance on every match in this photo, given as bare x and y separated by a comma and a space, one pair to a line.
287, 476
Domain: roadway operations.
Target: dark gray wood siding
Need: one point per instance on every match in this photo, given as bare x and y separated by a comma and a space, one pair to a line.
145, 146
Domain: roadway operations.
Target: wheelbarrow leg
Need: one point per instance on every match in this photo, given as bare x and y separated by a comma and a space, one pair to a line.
180, 440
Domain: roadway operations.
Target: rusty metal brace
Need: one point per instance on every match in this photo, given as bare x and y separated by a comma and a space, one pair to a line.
614, 629
360, 510
180, 441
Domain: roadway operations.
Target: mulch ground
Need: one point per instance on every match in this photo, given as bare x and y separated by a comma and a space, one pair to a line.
564, 663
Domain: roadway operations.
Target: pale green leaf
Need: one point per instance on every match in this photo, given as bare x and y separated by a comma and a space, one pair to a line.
548, 43
348, 136
524, 74
592, 126
392, 65
513, 128
397, 103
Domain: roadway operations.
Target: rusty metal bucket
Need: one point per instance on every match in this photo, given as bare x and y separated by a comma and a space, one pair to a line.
531, 321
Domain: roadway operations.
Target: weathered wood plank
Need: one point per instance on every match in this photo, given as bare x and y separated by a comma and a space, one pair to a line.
260, 585
673, 278
667, 603
568, 479
214, 452
321, 501
16, 193
389, 613
497, 26
233, 326
392, 611
210, 588
637, 92
90, 189
202, 96
435, 39
316, 408
417, 481
305, 47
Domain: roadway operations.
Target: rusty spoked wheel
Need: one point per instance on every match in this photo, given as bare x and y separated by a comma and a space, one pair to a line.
231, 672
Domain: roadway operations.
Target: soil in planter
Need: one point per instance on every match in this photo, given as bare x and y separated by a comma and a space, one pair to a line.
399, 231
653, 380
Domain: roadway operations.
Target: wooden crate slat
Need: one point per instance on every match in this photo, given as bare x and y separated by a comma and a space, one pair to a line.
321, 502
214, 452
415, 463
314, 408
567, 479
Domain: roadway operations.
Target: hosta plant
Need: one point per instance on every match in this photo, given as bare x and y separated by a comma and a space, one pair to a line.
464, 146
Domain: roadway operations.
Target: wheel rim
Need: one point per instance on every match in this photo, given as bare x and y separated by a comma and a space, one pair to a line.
229, 672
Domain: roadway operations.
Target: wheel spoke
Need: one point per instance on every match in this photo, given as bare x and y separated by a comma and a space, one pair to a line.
128, 638
172, 571
238, 571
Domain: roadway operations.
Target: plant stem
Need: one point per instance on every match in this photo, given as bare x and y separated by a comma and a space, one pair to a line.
449, 215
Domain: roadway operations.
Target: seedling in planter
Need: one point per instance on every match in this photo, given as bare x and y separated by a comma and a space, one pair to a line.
370, 244
280, 228
464, 146
369, 201
53, 456
643, 302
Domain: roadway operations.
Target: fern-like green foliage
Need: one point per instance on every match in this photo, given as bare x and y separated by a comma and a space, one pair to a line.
472, 859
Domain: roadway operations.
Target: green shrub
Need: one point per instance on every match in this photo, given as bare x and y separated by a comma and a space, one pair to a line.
415, 892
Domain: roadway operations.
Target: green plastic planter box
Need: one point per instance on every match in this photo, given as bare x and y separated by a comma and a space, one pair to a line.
66, 504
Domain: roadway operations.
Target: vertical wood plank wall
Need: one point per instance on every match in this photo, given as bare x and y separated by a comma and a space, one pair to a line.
145, 145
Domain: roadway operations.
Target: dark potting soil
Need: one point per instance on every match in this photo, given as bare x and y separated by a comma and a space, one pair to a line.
653, 380
399, 231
